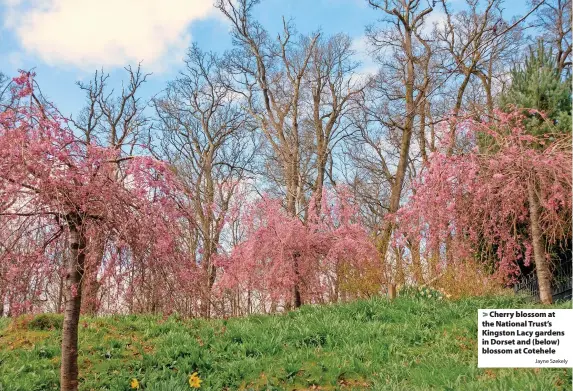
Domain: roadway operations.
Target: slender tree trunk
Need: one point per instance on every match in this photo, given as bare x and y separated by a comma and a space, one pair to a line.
73, 296
2, 294
457, 109
297, 294
396, 191
422, 132
292, 181
398, 183
391, 291
208, 223
211, 274
321, 169
541, 264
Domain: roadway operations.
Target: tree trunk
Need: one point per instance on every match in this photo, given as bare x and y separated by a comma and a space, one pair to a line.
292, 185
211, 273
297, 295
90, 284
456, 112
73, 296
398, 182
541, 264
391, 291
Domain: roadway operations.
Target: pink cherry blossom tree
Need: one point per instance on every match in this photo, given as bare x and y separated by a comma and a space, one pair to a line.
57, 191
486, 195
282, 252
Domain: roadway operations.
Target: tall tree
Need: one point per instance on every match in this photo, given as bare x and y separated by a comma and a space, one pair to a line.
334, 88
475, 45
270, 74
397, 97
468, 197
554, 21
207, 136
118, 122
57, 188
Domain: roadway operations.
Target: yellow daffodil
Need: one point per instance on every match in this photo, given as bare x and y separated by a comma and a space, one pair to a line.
195, 380
134, 384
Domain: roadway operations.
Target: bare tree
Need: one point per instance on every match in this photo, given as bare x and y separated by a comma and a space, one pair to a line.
477, 47
554, 20
4, 93
389, 110
118, 121
466, 39
334, 87
269, 74
207, 137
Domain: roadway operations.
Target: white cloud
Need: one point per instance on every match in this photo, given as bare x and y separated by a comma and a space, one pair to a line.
89, 34
364, 54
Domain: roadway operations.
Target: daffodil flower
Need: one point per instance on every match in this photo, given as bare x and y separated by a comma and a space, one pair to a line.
195, 380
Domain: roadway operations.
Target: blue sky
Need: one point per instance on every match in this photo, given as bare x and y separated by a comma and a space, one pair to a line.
67, 40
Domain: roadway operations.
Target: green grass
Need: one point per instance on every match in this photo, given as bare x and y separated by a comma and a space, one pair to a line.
407, 344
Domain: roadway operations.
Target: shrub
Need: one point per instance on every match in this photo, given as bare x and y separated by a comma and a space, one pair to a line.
46, 322
469, 279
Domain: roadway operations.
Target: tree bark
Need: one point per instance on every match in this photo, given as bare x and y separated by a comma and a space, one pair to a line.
73, 296
398, 183
90, 284
293, 180
541, 264
391, 291
297, 294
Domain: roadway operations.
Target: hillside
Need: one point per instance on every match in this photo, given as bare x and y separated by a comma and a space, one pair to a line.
407, 344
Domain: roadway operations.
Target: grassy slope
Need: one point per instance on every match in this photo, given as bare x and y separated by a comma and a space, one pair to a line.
404, 345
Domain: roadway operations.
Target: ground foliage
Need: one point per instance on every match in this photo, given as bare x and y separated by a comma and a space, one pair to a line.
412, 343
